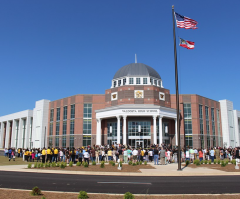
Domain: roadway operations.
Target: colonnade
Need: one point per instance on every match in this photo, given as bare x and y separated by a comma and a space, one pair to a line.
99, 130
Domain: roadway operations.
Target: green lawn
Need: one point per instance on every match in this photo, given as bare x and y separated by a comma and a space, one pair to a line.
5, 161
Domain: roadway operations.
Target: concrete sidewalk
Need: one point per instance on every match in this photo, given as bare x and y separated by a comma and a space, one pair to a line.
160, 170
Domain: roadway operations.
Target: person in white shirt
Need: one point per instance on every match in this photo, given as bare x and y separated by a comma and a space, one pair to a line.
86, 156
135, 154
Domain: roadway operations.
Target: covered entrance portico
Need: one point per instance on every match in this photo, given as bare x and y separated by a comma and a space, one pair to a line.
135, 124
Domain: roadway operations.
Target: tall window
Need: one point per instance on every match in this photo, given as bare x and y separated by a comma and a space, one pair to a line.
71, 141
159, 83
86, 140
58, 114
124, 81
57, 141
87, 111
138, 81
131, 80
72, 111
72, 127
57, 128
114, 84
144, 80
207, 127
213, 127
51, 115
155, 82
64, 112
87, 126
64, 134
201, 125
51, 129
218, 127
119, 82
151, 81
188, 124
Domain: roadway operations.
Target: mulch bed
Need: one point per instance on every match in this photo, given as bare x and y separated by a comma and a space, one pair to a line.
107, 168
12, 194
227, 168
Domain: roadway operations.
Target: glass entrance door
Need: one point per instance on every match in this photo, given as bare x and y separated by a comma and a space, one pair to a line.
139, 144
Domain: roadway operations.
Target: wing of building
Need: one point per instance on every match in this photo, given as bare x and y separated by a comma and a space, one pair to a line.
137, 111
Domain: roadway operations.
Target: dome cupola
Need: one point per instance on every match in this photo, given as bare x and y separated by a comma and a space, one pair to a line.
136, 74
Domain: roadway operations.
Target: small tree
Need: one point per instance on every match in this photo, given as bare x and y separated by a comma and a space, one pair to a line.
128, 195
82, 195
35, 191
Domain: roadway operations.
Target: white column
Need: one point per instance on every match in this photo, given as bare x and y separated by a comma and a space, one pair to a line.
99, 132
176, 138
160, 130
118, 129
27, 132
154, 129
1, 135
125, 130
13, 140
20, 131
7, 135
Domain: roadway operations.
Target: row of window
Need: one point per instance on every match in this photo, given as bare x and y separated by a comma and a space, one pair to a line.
121, 82
86, 141
87, 112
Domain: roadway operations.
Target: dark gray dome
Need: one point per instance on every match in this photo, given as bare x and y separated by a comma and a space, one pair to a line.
136, 70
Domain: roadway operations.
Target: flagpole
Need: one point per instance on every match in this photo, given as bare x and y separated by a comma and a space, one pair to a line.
177, 95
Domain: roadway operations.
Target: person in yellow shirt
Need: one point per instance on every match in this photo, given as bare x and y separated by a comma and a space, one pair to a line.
48, 154
43, 155
55, 154
26, 155
19, 152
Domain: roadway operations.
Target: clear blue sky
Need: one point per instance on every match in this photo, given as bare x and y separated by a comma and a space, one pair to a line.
55, 49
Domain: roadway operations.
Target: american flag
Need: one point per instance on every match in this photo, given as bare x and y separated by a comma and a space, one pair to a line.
185, 22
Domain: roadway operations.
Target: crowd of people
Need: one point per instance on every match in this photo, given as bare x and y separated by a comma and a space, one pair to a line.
158, 154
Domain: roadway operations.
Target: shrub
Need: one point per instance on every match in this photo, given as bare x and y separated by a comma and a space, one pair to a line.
62, 165
219, 161
120, 163
223, 164
134, 164
196, 162
209, 161
78, 164
215, 161
227, 161
128, 195
138, 163
130, 163
46, 165
35, 165
113, 164
93, 163
43, 197
57, 165
29, 165
141, 162
35, 191
102, 165
233, 162
110, 162
85, 164
201, 161
187, 162
70, 163
145, 162
39, 165
54, 164
205, 161
82, 195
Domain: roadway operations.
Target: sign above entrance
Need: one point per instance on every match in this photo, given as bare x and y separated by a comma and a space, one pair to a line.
140, 111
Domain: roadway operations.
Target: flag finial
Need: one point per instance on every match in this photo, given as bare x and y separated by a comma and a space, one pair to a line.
135, 58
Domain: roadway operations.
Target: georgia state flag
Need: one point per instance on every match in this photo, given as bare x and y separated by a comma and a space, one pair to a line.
186, 44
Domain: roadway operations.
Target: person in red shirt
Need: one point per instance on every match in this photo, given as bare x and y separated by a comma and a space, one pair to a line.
200, 154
